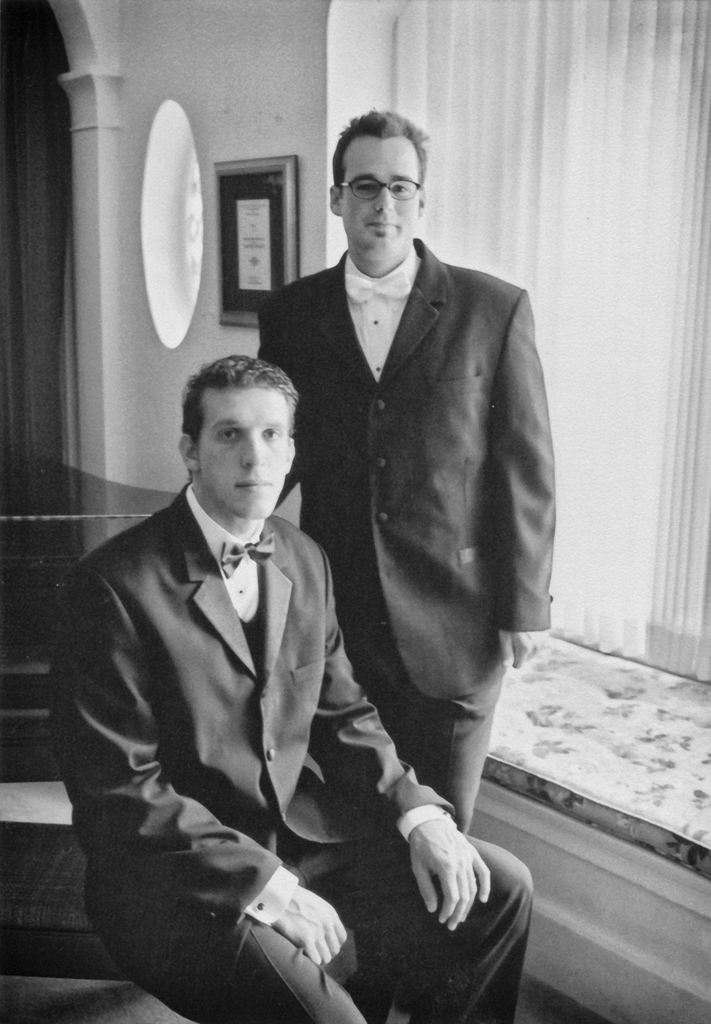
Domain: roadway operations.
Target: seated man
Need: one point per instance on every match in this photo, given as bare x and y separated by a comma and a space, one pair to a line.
241, 807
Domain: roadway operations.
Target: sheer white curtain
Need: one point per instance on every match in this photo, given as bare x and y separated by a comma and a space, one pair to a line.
570, 154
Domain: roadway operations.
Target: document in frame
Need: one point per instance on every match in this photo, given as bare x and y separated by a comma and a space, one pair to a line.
254, 254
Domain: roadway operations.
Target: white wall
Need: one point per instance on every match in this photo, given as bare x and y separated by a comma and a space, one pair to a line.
252, 80
618, 928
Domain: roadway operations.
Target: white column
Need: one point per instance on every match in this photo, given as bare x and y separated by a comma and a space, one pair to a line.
95, 107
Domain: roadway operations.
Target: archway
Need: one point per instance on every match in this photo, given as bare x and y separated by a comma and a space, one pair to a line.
35, 198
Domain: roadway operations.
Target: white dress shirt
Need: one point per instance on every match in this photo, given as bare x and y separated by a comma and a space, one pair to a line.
243, 585
377, 318
243, 589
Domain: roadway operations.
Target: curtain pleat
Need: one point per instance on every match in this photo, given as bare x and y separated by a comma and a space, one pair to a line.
680, 630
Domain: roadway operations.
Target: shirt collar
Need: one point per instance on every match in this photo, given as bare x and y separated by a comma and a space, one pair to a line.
214, 534
409, 267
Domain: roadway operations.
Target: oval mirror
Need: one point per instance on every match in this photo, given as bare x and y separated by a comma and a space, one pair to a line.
171, 223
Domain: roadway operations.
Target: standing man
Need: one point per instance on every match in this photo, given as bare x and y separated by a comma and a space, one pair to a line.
425, 459
243, 812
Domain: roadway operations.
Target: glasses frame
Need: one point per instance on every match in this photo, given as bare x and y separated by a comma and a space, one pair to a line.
383, 184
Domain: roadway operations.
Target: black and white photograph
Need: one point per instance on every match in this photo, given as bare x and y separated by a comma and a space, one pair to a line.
355, 512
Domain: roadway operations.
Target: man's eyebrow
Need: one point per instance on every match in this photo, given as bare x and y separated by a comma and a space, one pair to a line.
393, 177
240, 426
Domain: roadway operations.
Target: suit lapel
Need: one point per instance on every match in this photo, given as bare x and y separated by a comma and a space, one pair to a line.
211, 595
276, 597
214, 602
335, 322
420, 314
212, 599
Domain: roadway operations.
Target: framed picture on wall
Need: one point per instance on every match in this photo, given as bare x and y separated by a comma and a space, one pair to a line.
258, 232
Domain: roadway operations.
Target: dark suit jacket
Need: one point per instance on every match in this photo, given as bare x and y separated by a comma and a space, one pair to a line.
181, 757
434, 486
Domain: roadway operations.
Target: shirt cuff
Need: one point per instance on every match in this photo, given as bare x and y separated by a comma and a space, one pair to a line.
274, 898
427, 812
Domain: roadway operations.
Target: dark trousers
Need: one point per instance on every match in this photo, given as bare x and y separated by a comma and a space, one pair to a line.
216, 971
445, 741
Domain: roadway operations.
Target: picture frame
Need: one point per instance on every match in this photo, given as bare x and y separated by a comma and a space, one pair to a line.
258, 233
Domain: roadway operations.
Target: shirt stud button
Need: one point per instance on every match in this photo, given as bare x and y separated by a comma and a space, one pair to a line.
380, 405
383, 517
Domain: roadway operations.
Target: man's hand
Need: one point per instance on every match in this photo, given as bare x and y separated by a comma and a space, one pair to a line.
517, 648
313, 925
439, 850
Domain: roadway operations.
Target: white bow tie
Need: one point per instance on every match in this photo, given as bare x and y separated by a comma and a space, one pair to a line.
360, 289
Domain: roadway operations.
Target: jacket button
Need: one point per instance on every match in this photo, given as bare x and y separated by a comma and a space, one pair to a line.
380, 462
271, 754
380, 405
383, 517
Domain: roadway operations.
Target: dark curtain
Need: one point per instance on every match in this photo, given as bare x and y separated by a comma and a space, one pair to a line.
35, 209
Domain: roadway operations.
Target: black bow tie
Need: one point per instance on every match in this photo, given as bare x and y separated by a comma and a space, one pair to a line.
258, 551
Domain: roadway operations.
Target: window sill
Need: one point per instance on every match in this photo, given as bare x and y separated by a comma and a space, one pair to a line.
612, 743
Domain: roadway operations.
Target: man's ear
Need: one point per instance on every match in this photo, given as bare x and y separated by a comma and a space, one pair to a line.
291, 454
188, 450
335, 204
421, 200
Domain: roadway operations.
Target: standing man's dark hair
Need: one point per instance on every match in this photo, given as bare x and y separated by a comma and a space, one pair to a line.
425, 459
380, 124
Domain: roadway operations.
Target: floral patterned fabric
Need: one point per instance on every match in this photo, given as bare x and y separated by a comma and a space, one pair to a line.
612, 742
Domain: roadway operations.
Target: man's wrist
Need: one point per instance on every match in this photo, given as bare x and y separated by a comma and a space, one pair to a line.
418, 815
274, 898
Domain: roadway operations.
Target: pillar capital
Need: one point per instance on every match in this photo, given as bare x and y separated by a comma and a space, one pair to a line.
94, 98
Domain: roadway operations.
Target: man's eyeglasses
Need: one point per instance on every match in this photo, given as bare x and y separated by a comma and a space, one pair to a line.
370, 188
